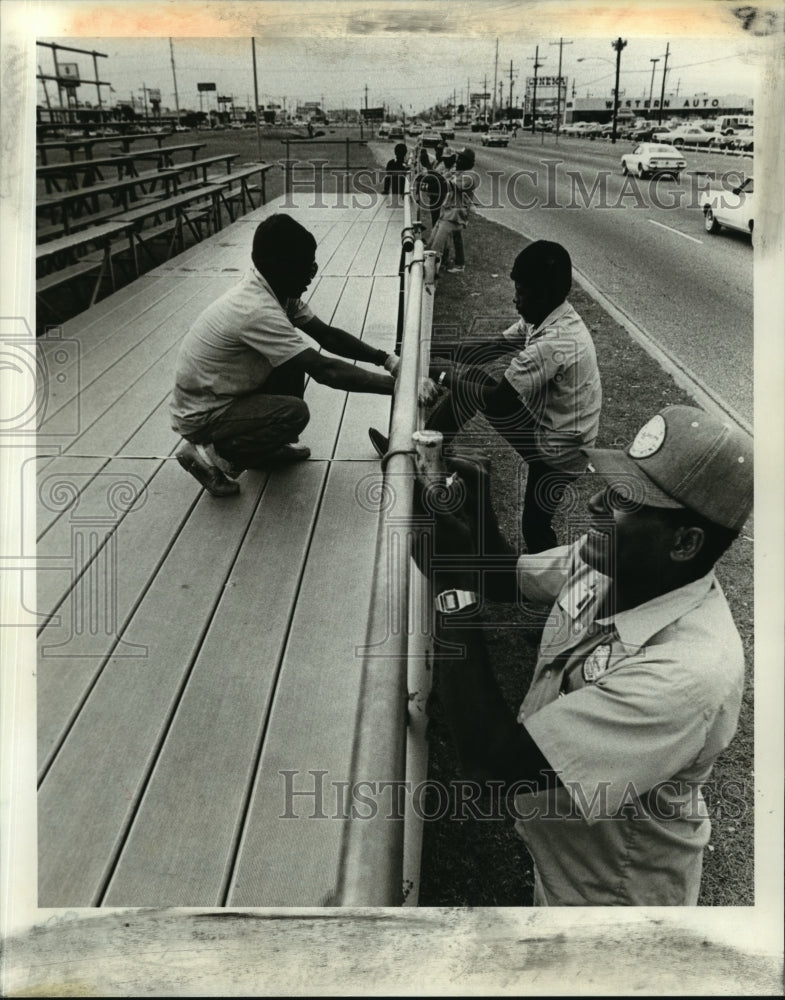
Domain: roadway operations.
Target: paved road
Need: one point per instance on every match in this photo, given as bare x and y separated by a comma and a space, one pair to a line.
642, 243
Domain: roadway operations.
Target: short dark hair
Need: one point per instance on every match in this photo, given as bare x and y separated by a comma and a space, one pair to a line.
279, 239
400, 149
544, 263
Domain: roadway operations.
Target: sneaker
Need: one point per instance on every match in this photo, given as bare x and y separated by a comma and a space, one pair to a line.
287, 454
455, 270
381, 444
195, 460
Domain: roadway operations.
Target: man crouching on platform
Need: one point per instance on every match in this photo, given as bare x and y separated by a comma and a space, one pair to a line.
238, 394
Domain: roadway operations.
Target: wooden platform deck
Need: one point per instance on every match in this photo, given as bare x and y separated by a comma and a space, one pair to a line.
194, 651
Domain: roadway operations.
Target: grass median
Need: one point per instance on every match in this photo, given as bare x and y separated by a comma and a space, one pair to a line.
481, 862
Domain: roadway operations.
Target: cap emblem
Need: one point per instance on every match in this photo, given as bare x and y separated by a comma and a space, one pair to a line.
649, 438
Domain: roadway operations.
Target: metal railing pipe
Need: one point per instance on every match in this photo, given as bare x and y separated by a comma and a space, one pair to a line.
371, 863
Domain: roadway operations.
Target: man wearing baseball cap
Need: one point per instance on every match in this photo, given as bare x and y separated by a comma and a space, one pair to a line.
638, 682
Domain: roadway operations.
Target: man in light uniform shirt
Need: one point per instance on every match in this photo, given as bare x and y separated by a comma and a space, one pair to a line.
638, 683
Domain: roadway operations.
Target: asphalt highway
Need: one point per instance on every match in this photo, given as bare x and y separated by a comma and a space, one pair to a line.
640, 242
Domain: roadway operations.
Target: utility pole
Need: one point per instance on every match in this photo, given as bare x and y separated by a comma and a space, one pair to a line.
495, 75
537, 65
366, 97
256, 102
618, 45
174, 77
485, 98
651, 85
561, 43
510, 104
664, 74
144, 91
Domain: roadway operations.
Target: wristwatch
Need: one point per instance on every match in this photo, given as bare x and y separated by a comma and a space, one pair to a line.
451, 601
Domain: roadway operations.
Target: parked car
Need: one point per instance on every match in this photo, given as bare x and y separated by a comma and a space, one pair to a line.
497, 138
384, 132
396, 134
576, 128
430, 139
734, 209
447, 133
415, 129
479, 125
649, 158
687, 135
744, 140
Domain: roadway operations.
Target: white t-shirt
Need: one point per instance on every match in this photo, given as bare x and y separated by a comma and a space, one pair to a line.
231, 349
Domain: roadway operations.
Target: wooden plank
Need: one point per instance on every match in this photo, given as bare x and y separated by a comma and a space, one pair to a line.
368, 253
89, 794
341, 260
103, 373
92, 326
155, 437
324, 295
59, 485
73, 542
213, 744
70, 661
326, 404
389, 259
103, 341
122, 415
364, 410
293, 862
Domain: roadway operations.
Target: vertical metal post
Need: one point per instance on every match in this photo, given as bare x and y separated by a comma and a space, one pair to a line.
346, 181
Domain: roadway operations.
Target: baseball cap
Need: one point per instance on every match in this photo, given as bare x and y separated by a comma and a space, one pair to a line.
684, 457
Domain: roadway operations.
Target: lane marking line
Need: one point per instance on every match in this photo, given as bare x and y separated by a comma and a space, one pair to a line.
672, 230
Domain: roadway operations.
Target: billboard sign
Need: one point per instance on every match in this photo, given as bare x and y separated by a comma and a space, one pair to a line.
68, 74
205, 86
154, 94
372, 114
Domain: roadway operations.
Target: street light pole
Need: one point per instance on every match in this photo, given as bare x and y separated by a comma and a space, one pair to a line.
651, 86
618, 45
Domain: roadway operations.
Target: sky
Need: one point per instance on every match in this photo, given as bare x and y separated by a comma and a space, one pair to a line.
402, 70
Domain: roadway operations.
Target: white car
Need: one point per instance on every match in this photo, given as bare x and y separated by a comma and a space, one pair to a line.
649, 158
495, 139
688, 135
734, 209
